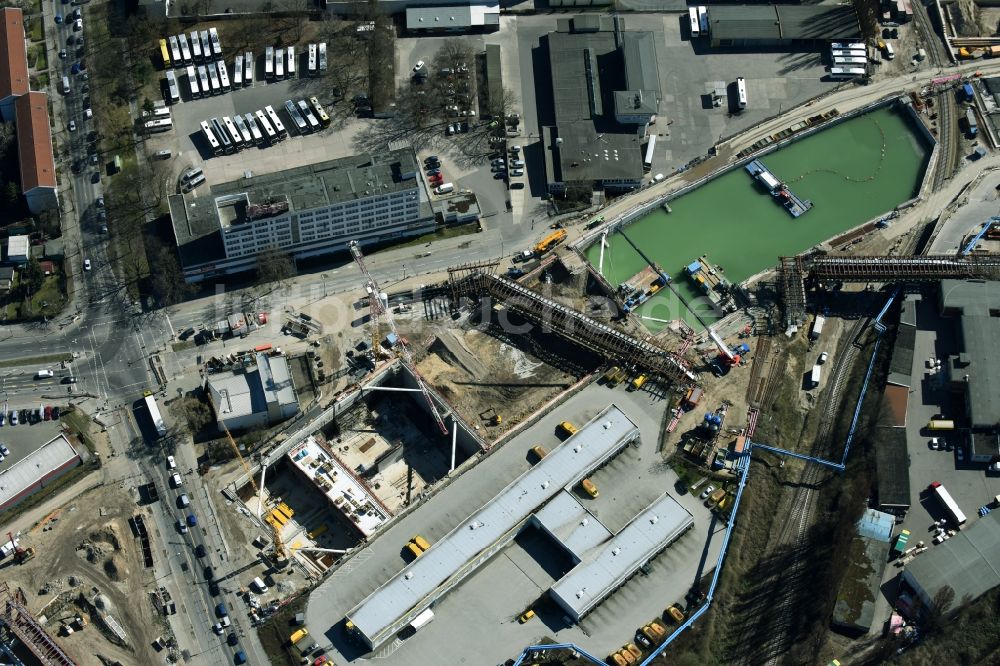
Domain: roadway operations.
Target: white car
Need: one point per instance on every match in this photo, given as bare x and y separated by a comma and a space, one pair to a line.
3, 416
707, 491
171, 463
86, 264
13, 418
78, 25
4, 450
935, 444
72, 126
823, 357
419, 66
517, 172
181, 527
176, 480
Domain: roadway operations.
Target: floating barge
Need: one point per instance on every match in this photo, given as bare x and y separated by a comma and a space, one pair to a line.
641, 287
778, 190
708, 280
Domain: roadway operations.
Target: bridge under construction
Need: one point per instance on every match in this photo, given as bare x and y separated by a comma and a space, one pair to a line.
15, 616
480, 281
794, 271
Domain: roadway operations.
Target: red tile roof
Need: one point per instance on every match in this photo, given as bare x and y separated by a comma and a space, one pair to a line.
34, 141
13, 59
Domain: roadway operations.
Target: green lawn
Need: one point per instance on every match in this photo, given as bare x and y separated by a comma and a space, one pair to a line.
36, 31
38, 57
36, 360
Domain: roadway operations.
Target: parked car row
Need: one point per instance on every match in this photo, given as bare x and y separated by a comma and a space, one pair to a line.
30, 416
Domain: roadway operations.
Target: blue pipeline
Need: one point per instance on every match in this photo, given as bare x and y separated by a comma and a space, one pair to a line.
861, 399
801, 456
558, 646
978, 237
743, 465
879, 326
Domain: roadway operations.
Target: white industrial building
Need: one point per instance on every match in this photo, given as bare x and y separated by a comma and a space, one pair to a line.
255, 395
306, 211
36, 470
606, 565
540, 497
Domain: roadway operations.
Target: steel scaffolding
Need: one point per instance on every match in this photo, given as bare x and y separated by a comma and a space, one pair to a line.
23, 624
791, 276
645, 357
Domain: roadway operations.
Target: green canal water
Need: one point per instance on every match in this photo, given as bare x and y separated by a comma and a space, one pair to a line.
851, 172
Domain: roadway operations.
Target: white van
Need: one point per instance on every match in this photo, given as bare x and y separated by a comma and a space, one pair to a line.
259, 585
184, 501
43, 374
444, 188
65, 87
176, 480
890, 53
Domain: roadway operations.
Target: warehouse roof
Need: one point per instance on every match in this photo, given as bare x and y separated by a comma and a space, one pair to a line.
459, 553
13, 56
26, 473
743, 22
242, 393
854, 609
568, 522
783, 22
978, 366
605, 569
892, 467
968, 563
445, 18
34, 141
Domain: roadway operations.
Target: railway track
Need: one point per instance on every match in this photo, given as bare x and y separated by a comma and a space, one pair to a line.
777, 611
947, 139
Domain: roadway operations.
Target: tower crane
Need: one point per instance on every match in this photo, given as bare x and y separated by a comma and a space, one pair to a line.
379, 311
279, 544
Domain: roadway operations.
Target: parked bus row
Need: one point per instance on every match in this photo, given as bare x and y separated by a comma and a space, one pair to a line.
307, 116
232, 134
213, 78
281, 63
180, 50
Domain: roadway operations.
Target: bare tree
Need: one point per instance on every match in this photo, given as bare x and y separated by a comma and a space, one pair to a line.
274, 266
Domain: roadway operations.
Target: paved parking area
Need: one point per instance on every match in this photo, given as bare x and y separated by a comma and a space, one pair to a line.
967, 483
479, 617
22, 440
189, 149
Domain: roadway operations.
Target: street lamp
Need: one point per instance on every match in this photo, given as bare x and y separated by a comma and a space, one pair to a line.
324, 284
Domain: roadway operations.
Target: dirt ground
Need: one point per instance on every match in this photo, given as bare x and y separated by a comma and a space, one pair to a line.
477, 374
88, 564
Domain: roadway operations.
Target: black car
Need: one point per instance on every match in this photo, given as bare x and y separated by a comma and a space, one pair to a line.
95, 177
199, 550
232, 639
209, 573
186, 334
213, 589
55, 412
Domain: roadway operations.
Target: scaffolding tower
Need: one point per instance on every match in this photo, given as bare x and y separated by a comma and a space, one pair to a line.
22, 624
471, 281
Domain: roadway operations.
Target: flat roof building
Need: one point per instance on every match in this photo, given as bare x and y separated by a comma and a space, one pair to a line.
460, 18
18, 249
606, 90
36, 470
306, 211
429, 577
13, 61
967, 563
603, 570
975, 369
854, 610
758, 26
34, 151
254, 395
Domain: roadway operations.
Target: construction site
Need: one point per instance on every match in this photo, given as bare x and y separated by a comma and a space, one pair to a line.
80, 587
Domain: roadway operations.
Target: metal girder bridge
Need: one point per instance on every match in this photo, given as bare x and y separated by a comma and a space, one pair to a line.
571, 324
793, 271
23, 624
